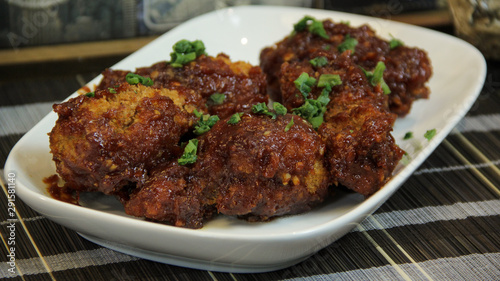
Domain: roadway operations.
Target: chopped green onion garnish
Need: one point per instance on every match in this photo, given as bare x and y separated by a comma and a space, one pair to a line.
319, 61
329, 80
408, 136
235, 118
313, 110
189, 155
317, 28
112, 90
302, 24
377, 77
217, 98
261, 108
90, 94
314, 26
289, 125
279, 108
430, 134
205, 123
304, 83
185, 52
348, 44
134, 79
394, 43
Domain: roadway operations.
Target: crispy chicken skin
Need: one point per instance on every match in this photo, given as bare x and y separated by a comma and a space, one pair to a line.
169, 196
360, 150
408, 69
103, 143
256, 164
253, 169
257, 169
242, 84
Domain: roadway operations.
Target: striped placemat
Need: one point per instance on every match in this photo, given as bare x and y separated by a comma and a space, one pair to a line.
442, 224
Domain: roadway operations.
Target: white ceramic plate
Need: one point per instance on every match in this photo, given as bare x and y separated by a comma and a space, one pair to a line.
228, 244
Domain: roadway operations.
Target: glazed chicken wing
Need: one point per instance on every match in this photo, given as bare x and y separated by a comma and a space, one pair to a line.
408, 69
104, 142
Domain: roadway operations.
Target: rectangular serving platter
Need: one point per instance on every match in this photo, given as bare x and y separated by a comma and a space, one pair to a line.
228, 244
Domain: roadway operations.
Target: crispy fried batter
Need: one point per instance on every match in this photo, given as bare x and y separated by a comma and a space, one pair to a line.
408, 69
104, 142
125, 140
360, 151
168, 196
258, 170
242, 84
253, 169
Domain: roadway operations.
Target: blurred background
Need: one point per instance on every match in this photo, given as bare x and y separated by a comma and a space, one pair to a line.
41, 22
45, 36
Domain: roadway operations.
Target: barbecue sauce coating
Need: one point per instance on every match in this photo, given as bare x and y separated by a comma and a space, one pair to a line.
408, 69
257, 169
169, 196
360, 150
125, 141
242, 84
103, 143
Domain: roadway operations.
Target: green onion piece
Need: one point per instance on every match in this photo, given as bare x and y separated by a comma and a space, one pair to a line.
329, 80
405, 160
378, 73
289, 125
197, 113
304, 83
408, 136
394, 43
319, 61
261, 108
112, 90
134, 79
430, 134
348, 44
90, 94
189, 155
317, 28
302, 24
279, 108
185, 51
179, 59
235, 118
314, 26
205, 123
377, 77
217, 98
313, 110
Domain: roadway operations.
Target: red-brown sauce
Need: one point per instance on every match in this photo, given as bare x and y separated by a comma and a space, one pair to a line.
61, 193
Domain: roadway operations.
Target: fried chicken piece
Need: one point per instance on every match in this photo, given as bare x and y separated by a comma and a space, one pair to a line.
255, 169
105, 142
360, 150
258, 169
242, 84
407, 69
168, 196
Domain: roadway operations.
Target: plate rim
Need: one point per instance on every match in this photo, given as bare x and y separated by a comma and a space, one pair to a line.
364, 209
